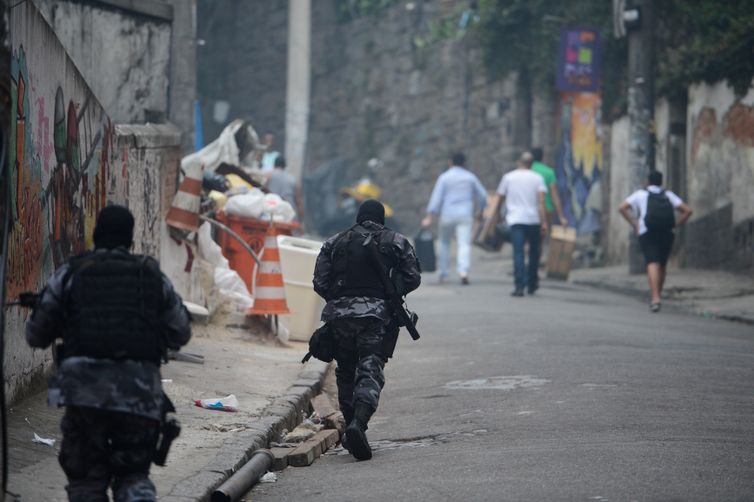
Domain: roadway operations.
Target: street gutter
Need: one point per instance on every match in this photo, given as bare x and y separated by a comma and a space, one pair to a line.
284, 412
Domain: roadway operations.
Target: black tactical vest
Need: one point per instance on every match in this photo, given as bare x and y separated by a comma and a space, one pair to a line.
353, 271
113, 307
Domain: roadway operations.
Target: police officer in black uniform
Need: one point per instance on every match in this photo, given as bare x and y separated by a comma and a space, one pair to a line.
116, 314
358, 315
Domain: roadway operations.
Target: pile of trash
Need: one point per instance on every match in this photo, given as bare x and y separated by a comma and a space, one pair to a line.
233, 179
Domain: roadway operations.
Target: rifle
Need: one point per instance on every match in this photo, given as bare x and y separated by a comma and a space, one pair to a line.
405, 317
26, 299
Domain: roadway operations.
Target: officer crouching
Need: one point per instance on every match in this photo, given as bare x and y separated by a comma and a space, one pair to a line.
358, 315
116, 314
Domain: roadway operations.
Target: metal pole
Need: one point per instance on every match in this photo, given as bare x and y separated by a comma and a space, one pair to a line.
232, 234
640, 111
244, 478
298, 85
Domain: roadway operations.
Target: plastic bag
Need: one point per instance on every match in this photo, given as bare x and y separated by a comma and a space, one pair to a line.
249, 205
227, 403
231, 287
278, 209
209, 249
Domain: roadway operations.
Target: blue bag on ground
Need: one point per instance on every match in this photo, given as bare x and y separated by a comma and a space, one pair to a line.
424, 244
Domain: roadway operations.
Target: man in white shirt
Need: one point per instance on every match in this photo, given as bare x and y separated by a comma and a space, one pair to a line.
655, 207
458, 196
523, 192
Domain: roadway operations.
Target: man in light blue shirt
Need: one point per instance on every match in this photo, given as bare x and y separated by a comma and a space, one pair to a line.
457, 198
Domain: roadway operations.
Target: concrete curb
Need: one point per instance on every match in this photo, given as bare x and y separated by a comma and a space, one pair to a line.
283, 413
673, 305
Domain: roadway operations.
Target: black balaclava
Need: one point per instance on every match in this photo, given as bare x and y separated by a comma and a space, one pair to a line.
371, 210
115, 227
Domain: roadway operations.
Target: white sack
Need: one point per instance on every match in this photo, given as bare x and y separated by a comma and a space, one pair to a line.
279, 209
249, 205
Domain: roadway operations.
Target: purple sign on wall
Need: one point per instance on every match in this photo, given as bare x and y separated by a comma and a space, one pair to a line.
579, 60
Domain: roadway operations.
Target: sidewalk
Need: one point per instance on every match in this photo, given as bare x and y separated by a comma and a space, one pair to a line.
272, 387
709, 293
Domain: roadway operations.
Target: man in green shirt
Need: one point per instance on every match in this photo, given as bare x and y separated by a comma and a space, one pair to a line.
552, 199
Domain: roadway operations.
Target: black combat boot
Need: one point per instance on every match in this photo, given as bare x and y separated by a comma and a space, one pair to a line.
347, 418
356, 440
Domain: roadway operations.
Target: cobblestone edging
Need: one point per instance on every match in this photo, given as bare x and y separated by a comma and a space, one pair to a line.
283, 413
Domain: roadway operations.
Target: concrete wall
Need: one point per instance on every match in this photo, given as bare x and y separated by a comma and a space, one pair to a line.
720, 154
125, 56
148, 72
150, 154
68, 162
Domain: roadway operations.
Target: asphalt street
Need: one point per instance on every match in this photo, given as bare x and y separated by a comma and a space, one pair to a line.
572, 394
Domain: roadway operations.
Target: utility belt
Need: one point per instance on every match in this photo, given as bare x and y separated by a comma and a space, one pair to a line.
323, 343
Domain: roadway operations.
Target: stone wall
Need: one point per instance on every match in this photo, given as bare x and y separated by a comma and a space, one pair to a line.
67, 162
241, 64
377, 93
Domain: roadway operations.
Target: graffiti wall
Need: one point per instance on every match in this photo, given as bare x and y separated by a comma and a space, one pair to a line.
63, 170
579, 163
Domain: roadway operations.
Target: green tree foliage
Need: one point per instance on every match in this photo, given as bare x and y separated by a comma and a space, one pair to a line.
705, 40
696, 40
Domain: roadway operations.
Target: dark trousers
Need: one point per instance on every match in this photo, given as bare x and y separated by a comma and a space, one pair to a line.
101, 447
360, 354
523, 276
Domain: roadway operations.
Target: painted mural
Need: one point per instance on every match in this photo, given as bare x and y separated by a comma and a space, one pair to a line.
579, 165
62, 157
60, 168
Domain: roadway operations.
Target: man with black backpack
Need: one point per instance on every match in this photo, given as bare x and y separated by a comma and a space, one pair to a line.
360, 319
117, 315
656, 208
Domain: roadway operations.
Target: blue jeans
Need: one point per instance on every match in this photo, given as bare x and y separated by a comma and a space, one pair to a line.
462, 231
519, 235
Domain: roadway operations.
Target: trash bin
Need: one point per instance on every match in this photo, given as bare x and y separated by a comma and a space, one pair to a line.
253, 232
297, 259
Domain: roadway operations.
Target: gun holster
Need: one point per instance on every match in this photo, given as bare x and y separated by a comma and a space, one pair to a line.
170, 429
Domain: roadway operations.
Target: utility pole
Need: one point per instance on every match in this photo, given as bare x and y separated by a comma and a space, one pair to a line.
297, 91
641, 150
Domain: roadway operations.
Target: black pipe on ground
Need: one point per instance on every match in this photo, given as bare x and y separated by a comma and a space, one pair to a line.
244, 478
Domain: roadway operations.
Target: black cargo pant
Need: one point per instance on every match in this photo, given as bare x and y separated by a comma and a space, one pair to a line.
362, 347
102, 447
